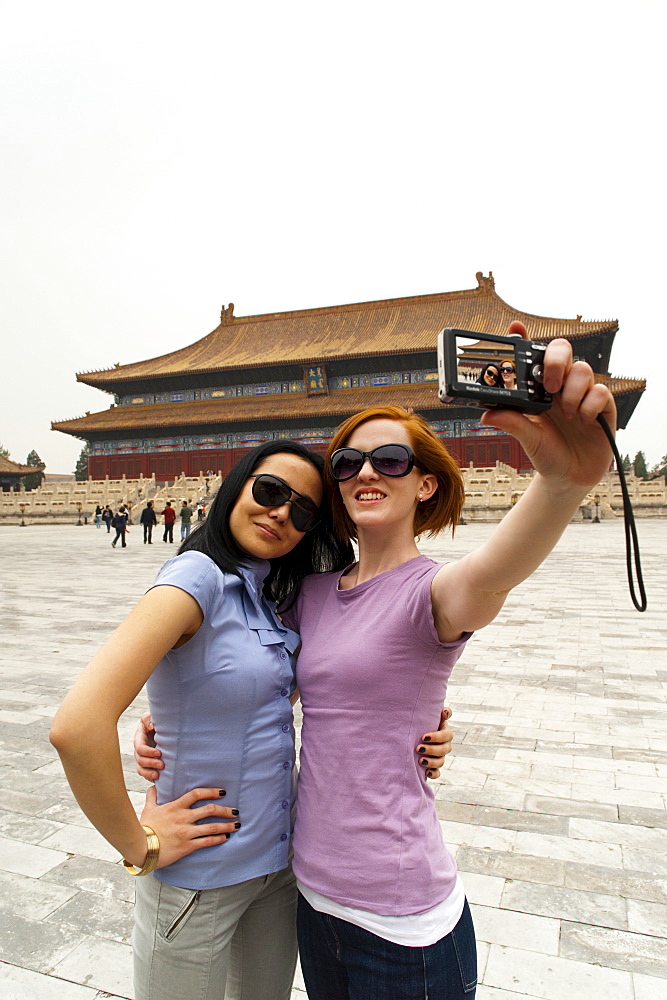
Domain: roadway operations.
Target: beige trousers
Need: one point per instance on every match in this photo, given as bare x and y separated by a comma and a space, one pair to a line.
233, 943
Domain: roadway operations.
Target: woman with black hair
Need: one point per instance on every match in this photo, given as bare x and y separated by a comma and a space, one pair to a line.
219, 666
219, 669
490, 376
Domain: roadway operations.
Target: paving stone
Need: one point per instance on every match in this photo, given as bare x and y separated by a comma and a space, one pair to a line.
90, 875
31, 898
490, 993
21, 984
648, 918
106, 965
568, 807
486, 890
506, 865
649, 988
648, 818
81, 840
30, 829
515, 819
540, 934
35, 944
630, 884
26, 803
654, 862
614, 949
553, 978
567, 849
101, 916
65, 811
568, 904
27, 859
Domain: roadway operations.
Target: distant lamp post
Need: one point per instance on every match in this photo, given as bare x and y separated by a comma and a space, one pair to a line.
596, 501
22, 506
79, 522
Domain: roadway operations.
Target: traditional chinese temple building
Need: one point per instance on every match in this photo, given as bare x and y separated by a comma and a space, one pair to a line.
299, 374
12, 474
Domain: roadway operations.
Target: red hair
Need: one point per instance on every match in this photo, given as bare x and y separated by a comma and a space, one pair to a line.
431, 516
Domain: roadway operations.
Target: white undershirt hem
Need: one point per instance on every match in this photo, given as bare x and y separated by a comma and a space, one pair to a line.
414, 930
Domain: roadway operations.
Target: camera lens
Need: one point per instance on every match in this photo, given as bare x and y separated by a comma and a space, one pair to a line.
537, 371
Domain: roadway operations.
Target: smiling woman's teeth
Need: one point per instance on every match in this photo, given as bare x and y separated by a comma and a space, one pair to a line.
371, 496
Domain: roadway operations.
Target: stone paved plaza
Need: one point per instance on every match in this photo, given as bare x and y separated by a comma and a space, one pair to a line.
554, 799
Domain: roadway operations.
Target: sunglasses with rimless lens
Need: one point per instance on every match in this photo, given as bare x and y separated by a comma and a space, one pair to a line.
272, 491
388, 459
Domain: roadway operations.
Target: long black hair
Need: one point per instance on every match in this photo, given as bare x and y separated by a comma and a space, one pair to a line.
319, 551
498, 376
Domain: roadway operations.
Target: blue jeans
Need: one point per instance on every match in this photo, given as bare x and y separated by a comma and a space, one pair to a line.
341, 961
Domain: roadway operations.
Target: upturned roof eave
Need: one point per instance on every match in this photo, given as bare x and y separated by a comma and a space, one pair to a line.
106, 379
108, 386
305, 360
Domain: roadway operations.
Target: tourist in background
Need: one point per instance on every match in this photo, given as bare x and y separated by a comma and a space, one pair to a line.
148, 519
169, 515
107, 517
98, 516
186, 519
119, 522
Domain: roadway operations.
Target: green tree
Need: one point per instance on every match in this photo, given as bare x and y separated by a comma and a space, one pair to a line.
34, 480
4, 451
627, 464
81, 471
639, 465
660, 468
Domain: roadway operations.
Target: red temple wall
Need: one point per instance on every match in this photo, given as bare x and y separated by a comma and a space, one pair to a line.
480, 451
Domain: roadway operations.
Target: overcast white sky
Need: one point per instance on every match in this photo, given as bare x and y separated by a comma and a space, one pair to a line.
161, 159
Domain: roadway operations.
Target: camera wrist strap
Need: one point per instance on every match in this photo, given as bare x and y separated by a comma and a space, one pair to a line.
631, 540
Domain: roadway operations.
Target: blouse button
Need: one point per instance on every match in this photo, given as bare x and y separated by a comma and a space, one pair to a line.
285, 729
283, 656
283, 836
284, 803
284, 692
286, 766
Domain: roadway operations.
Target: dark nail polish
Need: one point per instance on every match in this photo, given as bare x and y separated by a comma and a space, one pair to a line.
222, 792
429, 774
227, 836
423, 762
235, 812
237, 826
427, 739
421, 749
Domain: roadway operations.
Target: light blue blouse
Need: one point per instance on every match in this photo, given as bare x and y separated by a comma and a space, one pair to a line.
221, 708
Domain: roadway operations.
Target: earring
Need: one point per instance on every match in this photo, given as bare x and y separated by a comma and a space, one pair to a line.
420, 497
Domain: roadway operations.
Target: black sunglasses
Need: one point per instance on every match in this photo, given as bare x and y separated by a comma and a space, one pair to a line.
272, 491
506, 371
389, 460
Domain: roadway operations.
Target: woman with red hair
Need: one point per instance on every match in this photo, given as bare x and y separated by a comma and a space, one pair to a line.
382, 912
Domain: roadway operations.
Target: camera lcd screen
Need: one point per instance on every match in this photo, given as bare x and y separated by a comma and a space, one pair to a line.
486, 363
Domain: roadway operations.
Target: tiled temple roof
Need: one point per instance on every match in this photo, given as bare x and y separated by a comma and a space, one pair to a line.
287, 406
7, 467
363, 329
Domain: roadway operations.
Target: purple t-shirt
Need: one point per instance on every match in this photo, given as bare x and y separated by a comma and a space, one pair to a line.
373, 676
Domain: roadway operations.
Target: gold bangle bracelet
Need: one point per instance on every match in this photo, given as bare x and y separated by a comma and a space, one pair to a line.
152, 854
